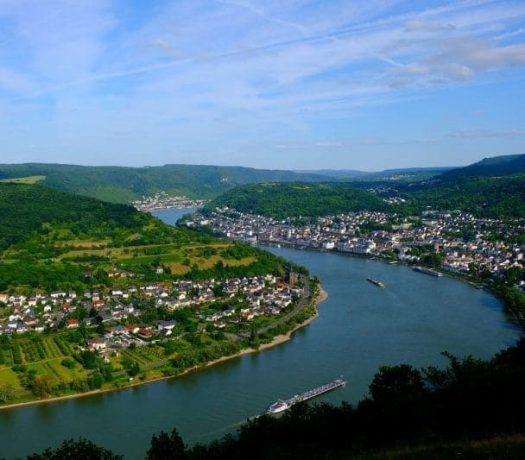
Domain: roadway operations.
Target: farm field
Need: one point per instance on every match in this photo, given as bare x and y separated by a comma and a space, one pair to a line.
38, 367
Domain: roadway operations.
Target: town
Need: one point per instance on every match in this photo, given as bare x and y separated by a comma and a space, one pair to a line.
456, 242
120, 316
164, 201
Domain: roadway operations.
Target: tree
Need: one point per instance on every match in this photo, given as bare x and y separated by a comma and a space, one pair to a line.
254, 336
166, 446
80, 449
7, 392
395, 383
42, 385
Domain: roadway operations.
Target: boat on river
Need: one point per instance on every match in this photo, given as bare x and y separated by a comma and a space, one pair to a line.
376, 282
282, 405
427, 271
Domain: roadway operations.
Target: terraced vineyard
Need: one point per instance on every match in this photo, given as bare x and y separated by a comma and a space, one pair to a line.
39, 356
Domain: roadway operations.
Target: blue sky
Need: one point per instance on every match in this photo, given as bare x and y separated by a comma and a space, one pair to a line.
284, 84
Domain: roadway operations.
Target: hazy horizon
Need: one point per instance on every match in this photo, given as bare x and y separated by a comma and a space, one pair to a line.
300, 85
312, 170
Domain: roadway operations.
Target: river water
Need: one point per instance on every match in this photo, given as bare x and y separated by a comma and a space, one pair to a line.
360, 328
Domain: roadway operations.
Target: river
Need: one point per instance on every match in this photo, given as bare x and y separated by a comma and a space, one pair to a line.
360, 328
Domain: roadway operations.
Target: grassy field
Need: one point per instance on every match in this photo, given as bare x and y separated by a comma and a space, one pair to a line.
178, 259
30, 180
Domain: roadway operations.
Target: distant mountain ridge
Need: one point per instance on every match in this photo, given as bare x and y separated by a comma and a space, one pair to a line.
125, 184
493, 187
397, 174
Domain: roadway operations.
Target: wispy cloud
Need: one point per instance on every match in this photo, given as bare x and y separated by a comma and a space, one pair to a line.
232, 72
418, 25
476, 133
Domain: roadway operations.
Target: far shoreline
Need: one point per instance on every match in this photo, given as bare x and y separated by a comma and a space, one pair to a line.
276, 341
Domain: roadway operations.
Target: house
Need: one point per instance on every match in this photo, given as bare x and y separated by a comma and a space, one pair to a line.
72, 323
117, 330
98, 304
145, 333
166, 325
133, 328
97, 344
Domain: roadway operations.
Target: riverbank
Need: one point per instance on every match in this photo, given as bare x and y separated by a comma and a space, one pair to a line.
277, 340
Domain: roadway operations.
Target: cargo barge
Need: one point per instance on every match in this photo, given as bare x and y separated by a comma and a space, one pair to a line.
376, 282
281, 405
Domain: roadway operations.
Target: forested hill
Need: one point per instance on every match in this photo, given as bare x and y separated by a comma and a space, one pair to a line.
493, 187
56, 240
493, 197
123, 185
31, 208
299, 199
488, 167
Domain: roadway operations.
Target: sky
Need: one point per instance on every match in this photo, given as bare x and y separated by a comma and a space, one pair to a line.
280, 84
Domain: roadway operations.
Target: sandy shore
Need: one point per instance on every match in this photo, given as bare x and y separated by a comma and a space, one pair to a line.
277, 340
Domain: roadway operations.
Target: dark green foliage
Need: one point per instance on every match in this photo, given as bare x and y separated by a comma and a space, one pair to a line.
26, 208
494, 197
80, 449
89, 359
166, 446
122, 185
49, 276
299, 199
68, 362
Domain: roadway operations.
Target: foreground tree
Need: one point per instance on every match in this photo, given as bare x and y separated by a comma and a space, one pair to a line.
166, 446
80, 449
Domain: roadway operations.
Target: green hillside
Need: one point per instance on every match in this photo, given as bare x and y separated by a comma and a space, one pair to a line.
123, 185
26, 209
483, 196
489, 167
299, 199
56, 240
492, 187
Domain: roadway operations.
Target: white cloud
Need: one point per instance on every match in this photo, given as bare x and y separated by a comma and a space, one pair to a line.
457, 58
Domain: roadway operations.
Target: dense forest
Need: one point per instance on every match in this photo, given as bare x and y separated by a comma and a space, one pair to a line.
123, 184
26, 208
426, 413
483, 196
299, 199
